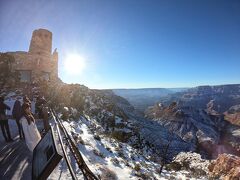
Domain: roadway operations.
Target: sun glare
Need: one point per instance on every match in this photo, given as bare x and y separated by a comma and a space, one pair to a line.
74, 64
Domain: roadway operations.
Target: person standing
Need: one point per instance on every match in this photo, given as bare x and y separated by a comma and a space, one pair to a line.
40, 102
26, 100
45, 118
4, 121
17, 114
32, 135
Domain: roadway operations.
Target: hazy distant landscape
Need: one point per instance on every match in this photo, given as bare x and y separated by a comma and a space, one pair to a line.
120, 89
143, 98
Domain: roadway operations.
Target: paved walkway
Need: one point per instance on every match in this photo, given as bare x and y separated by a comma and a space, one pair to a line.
15, 158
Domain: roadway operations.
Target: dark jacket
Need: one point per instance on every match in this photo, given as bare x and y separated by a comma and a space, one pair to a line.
17, 110
3, 107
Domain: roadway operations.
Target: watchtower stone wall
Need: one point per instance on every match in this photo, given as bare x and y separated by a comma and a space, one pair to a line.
41, 42
39, 60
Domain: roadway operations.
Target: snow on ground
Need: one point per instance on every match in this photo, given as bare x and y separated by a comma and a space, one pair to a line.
101, 153
105, 152
105, 155
95, 153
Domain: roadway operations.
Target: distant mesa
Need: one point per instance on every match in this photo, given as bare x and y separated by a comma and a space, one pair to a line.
39, 61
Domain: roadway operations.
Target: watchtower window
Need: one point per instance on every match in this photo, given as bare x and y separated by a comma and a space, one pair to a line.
25, 75
46, 76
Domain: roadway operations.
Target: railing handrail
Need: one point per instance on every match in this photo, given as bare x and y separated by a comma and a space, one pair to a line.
63, 149
87, 173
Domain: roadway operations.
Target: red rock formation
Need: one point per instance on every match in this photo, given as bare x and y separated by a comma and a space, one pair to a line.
226, 166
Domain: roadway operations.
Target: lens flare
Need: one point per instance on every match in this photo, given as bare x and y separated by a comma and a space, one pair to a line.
74, 64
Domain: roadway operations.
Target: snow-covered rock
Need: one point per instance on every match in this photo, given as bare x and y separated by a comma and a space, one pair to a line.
225, 167
206, 132
192, 162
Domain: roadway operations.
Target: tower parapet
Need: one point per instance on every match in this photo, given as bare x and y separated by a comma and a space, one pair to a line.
55, 63
41, 42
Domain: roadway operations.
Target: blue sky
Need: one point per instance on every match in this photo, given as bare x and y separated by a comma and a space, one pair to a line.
133, 44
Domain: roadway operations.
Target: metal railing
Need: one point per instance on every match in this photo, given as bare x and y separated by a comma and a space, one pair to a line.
87, 173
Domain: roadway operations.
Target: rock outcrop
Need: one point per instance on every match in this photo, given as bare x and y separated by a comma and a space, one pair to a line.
218, 98
222, 99
233, 114
208, 133
226, 167
191, 162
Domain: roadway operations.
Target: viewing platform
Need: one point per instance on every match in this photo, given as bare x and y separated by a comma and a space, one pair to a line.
15, 157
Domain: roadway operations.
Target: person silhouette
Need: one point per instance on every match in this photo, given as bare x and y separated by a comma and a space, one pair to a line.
4, 121
31, 133
17, 114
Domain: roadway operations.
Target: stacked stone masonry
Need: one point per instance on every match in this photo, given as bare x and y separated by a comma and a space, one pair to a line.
39, 61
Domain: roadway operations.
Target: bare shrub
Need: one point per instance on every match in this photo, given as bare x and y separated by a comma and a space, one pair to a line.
108, 174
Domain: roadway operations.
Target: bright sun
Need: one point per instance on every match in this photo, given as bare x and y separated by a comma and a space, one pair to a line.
74, 64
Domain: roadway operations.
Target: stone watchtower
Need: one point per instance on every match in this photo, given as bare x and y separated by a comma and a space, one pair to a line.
39, 62
41, 42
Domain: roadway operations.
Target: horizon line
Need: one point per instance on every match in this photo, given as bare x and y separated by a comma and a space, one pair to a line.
180, 87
